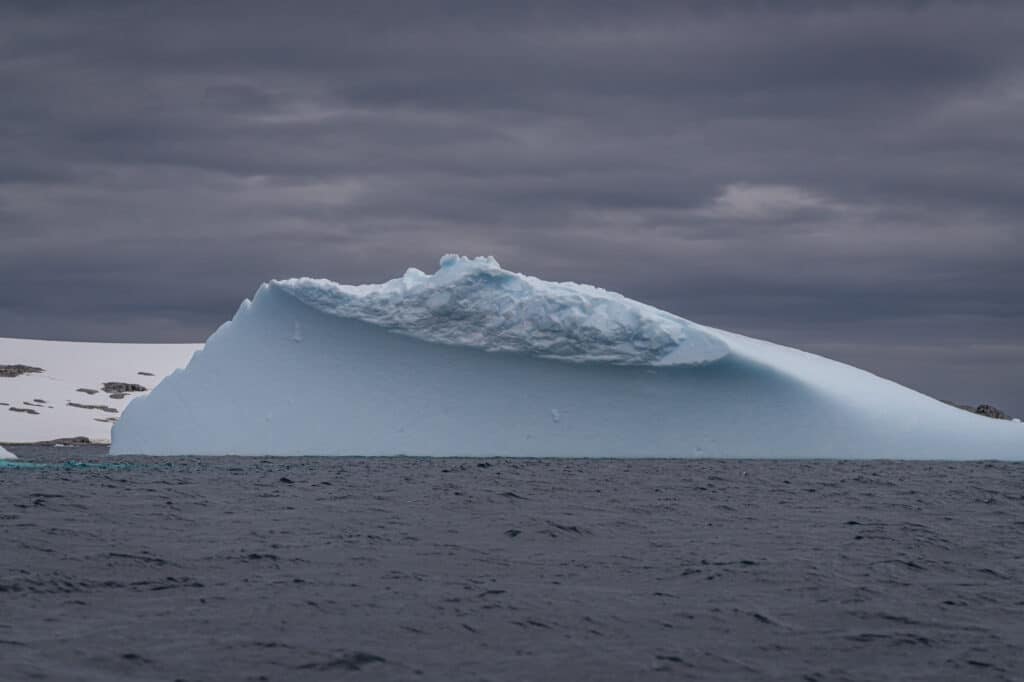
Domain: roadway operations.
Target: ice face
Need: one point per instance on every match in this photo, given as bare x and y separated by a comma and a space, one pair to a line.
473, 302
310, 367
4, 454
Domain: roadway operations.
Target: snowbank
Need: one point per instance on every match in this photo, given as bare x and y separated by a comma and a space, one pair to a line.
55, 389
4, 454
476, 360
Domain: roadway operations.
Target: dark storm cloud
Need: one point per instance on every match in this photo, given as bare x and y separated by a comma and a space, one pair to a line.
844, 177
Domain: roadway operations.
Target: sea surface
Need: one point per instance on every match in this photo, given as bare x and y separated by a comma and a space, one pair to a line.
499, 569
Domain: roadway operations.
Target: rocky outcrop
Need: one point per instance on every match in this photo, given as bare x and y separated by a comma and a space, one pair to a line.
121, 387
102, 408
990, 411
984, 410
75, 440
11, 371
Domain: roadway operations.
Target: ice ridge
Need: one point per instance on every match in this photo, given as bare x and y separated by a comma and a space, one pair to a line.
474, 302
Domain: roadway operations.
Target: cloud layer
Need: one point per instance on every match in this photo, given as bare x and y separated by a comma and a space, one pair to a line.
846, 179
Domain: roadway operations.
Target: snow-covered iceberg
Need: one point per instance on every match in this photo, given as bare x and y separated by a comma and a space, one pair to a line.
477, 360
4, 454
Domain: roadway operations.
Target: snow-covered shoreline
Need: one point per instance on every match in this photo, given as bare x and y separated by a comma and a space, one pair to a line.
69, 389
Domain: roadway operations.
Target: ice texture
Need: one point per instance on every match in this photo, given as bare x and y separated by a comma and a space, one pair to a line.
4, 454
477, 360
474, 302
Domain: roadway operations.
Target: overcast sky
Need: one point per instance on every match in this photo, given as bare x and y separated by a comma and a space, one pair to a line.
849, 180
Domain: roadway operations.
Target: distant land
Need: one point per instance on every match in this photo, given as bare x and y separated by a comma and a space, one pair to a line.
72, 392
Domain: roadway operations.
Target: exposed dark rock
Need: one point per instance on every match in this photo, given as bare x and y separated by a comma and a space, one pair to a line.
10, 371
102, 408
90, 391
116, 396
26, 410
984, 410
122, 387
74, 440
146, 374
990, 411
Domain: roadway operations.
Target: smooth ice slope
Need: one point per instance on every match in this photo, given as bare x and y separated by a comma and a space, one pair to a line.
4, 454
476, 360
66, 399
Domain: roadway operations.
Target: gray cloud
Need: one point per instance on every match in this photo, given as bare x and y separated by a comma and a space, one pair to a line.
844, 179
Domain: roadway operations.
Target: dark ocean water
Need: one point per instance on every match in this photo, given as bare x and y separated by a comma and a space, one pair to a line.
454, 569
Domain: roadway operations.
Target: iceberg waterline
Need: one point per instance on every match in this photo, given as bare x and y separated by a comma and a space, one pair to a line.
478, 360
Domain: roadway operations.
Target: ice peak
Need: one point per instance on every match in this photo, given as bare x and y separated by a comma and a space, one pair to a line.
474, 302
452, 260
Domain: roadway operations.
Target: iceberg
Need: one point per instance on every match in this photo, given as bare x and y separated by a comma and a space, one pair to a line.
475, 360
4, 454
